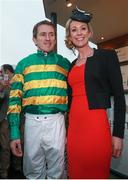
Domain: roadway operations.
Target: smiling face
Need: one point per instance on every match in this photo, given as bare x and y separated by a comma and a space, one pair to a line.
79, 34
45, 38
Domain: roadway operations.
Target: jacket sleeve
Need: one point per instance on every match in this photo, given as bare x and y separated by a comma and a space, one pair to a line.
115, 79
15, 103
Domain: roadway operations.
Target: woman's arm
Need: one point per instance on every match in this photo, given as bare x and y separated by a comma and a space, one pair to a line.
115, 79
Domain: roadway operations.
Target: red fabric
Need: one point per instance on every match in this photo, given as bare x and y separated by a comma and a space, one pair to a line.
89, 138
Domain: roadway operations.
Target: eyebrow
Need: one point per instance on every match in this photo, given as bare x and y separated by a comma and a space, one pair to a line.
79, 26
44, 32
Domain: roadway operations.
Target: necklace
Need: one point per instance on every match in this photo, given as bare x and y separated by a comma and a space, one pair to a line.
79, 59
82, 60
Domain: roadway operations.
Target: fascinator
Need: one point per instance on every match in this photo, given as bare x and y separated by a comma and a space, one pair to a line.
79, 15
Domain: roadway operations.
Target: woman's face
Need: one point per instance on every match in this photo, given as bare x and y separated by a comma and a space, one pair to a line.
79, 34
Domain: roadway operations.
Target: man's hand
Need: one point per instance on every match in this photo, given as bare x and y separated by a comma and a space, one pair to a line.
15, 146
117, 144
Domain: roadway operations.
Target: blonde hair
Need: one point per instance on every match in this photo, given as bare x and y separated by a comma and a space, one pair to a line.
68, 42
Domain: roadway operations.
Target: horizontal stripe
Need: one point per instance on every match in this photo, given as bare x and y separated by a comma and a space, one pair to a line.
44, 75
45, 100
15, 100
15, 93
46, 91
44, 84
45, 108
44, 68
17, 85
14, 109
17, 78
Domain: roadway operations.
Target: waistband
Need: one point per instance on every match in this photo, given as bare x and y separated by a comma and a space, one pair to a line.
40, 117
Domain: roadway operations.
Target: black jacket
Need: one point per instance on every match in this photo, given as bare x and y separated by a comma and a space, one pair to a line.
103, 79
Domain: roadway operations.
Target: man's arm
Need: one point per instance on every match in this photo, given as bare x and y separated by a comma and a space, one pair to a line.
15, 103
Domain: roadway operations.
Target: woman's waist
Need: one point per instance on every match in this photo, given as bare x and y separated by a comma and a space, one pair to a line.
78, 92
78, 95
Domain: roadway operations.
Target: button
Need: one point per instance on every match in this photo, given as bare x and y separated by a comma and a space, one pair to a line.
45, 117
37, 117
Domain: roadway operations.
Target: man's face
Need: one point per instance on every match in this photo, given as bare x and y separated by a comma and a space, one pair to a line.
45, 40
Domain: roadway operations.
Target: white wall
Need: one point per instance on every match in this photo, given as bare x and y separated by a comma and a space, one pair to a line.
17, 19
0, 33
61, 47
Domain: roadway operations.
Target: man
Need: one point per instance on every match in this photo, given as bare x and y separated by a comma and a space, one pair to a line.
7, 73
6, 158
39, 88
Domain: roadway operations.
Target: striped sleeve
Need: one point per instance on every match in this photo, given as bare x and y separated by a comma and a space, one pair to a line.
15, 103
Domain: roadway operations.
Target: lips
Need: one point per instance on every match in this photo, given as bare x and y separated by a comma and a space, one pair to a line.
47, 44
80, 39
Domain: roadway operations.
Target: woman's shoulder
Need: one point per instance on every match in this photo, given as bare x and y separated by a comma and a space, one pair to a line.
108, 55
105, 54
105, 51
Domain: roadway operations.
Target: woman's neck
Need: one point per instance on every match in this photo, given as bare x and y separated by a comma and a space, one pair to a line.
85, 52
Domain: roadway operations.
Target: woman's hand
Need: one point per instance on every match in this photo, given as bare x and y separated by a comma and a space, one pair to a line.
117, 145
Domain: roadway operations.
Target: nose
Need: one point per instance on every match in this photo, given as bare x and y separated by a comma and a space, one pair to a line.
47, 36
79, 31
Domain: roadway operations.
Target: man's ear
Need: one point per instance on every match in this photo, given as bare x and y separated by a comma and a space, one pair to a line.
55, 42
34, 40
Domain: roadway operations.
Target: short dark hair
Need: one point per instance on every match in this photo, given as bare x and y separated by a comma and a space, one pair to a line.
45, 22
8, 67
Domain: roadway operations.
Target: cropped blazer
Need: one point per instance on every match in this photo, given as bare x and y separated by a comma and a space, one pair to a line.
103, 80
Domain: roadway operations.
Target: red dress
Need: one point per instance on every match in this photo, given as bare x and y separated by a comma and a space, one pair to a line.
89, 146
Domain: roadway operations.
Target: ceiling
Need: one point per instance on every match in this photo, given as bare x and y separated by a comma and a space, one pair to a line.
110, 17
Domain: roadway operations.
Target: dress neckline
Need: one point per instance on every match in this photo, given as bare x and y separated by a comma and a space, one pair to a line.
78, 66
89, 57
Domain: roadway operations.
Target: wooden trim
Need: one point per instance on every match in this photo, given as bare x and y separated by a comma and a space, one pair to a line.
115, 43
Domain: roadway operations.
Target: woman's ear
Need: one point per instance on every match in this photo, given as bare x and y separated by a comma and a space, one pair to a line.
91, 36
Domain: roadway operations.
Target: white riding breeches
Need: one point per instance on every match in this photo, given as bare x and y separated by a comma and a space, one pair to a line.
44, 146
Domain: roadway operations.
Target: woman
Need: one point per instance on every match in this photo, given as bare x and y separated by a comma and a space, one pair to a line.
94, 77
